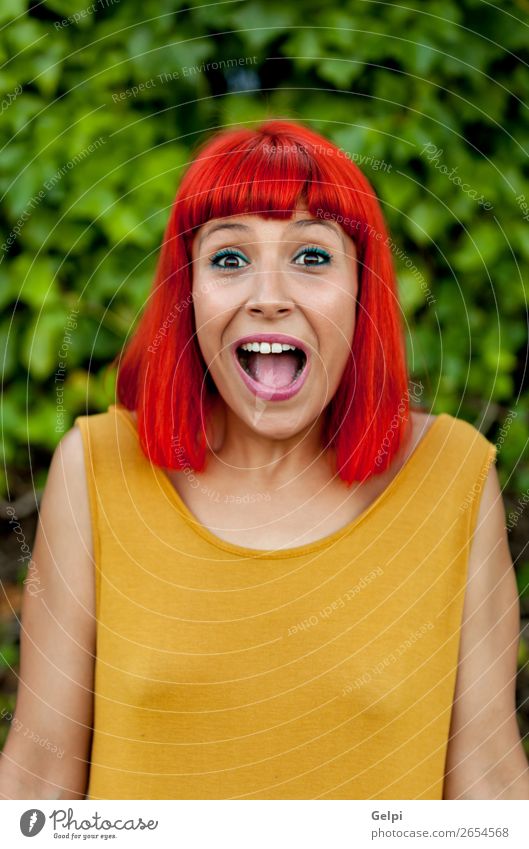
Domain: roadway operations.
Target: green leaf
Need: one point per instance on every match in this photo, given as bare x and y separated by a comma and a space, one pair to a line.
35, 280
41, 342
8, 348
12, 10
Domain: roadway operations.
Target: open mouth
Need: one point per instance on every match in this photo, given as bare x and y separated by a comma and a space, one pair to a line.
275, 365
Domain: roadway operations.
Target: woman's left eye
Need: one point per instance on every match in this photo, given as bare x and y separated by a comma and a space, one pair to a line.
313, 257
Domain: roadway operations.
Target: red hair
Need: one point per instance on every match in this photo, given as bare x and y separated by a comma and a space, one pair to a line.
269, 171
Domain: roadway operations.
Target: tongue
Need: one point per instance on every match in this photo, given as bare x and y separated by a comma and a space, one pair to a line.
276, 370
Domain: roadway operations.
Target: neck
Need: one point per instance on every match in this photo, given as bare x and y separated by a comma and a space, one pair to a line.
269, 461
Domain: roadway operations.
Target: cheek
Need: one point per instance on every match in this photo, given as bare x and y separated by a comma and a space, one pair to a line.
204, 320
335, 323
334, 314
212, 315
345, 310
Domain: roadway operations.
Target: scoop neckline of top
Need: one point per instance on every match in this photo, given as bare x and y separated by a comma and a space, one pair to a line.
295, 551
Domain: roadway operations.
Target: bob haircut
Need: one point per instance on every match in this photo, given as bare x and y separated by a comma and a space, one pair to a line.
269, 171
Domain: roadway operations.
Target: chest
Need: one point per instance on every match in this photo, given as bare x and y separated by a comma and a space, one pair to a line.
274, 515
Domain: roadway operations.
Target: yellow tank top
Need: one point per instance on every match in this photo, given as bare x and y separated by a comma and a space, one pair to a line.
325, 671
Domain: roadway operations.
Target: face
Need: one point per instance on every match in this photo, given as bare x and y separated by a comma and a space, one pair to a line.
275, 307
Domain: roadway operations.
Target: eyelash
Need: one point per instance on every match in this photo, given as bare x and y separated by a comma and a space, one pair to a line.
308, 249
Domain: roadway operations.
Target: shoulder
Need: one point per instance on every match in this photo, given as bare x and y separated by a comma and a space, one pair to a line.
65, 505
70, 449
490, 526
64, 517
67, 466
463, 444
478, 455
463, 448
466, 434
421, 422
100, 435
93, 422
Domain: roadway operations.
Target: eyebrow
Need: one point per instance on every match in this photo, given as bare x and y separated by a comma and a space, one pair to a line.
302, 222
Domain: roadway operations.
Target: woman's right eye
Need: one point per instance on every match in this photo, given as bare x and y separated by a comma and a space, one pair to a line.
228, 259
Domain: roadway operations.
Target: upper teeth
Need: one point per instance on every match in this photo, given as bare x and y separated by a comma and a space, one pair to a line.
267, 347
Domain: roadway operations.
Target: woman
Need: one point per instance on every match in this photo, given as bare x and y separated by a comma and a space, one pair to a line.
264, 575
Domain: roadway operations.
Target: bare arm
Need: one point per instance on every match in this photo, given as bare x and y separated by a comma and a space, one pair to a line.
47, 749
485, 758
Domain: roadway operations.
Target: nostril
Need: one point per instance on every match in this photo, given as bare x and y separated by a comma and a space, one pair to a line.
268, 309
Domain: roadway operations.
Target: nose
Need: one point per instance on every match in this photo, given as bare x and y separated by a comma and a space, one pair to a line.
269, 297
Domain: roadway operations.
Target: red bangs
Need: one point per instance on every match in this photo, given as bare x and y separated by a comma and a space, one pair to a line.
270, 171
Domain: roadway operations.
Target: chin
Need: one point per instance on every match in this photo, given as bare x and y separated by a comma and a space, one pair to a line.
269, 421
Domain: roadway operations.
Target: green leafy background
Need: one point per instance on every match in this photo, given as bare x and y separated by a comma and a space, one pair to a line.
381, 79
